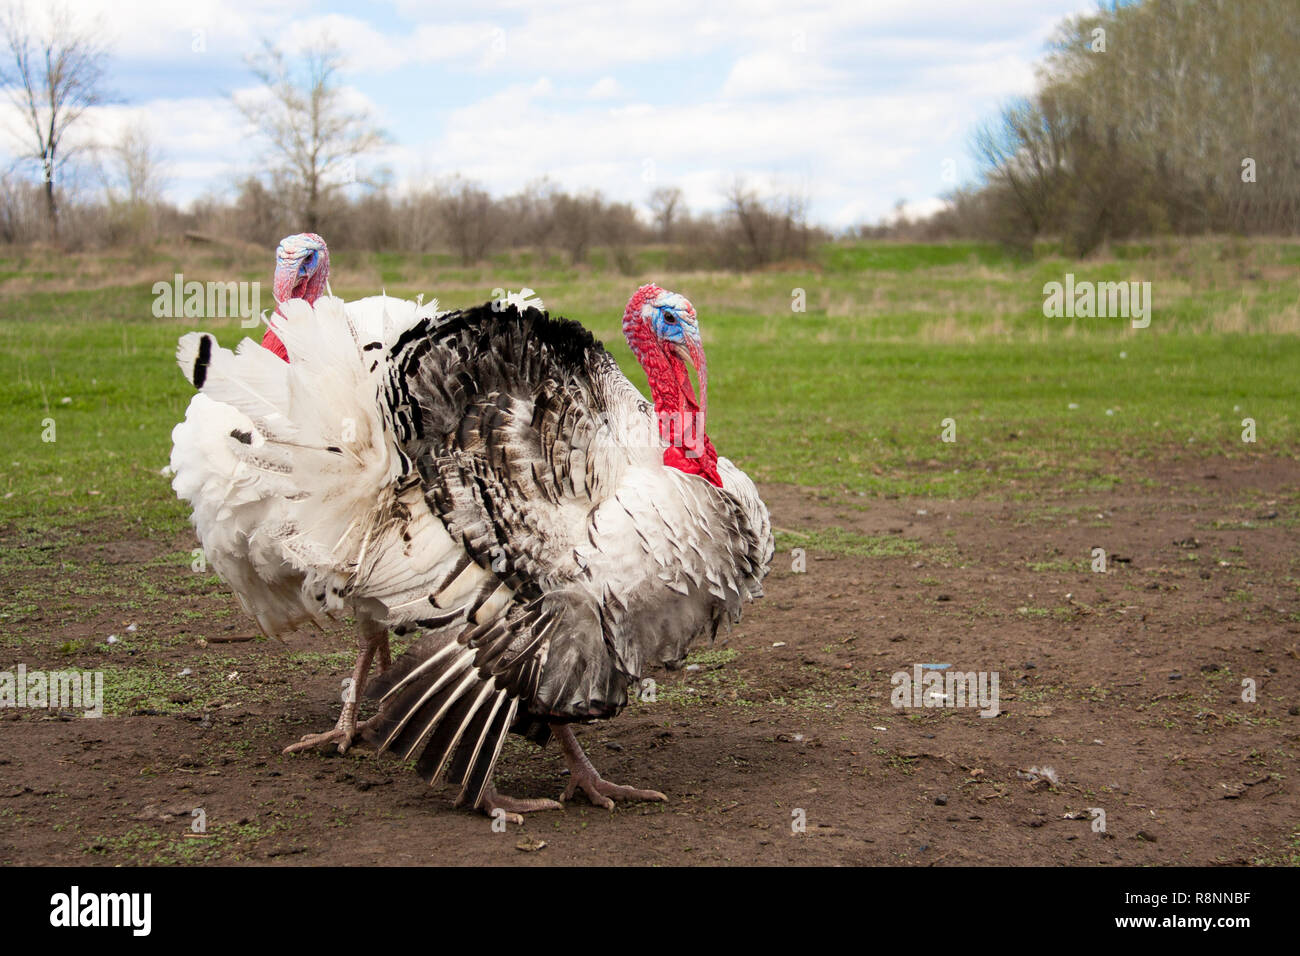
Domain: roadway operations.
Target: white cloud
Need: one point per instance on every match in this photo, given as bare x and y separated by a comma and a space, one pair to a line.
771, 73
916, 210
805, 142
606, 88
159, 30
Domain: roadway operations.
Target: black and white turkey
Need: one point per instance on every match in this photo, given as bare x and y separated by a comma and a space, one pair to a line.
490, 479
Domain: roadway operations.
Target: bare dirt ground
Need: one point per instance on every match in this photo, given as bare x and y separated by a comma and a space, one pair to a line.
1128, 684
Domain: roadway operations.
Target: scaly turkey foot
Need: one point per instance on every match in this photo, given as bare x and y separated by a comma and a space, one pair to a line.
373, 638
582, 775
345, 733
512, 808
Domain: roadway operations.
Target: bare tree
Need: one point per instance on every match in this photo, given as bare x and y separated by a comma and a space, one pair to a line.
791, 212
620, 230
665, 205
256, 214
53, 74
314, 136
745, 209
575, 219
1023, 152
758, 230
132, 186
416, 219
136, 173
532, 215
470, 217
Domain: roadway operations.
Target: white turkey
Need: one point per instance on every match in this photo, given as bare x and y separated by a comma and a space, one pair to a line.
232, 507
504, 489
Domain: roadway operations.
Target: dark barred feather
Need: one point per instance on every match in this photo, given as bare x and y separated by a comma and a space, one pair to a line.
500, 413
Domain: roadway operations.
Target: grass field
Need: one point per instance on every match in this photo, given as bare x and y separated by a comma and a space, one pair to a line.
845, 400
848, 395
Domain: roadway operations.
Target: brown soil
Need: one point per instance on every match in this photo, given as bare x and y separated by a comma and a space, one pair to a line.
1128, 684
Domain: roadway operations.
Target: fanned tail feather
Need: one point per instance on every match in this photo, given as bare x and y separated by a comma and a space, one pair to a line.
436, 702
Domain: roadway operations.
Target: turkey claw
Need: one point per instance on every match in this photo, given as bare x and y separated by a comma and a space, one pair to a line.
600, 791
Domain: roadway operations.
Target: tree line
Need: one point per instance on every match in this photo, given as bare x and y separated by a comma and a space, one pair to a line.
453, 215
1155, 117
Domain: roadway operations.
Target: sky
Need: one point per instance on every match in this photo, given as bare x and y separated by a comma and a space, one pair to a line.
858, 105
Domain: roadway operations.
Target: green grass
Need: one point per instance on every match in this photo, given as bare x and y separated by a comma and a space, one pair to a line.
173, 844
849, 395
908, 257
844, 541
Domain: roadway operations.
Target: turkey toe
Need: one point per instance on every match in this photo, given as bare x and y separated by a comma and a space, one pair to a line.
512, 807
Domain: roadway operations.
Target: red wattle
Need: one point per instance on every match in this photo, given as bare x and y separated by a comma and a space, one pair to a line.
706, 465
272, 341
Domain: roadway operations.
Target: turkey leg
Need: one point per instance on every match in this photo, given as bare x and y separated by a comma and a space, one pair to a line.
373, 640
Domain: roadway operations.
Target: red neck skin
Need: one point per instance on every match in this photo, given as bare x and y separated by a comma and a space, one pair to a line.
307, 287
681, 420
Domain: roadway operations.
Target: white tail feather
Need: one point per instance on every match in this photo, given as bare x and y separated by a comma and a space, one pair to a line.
290, 468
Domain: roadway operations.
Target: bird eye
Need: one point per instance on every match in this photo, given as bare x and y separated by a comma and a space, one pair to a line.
670, 318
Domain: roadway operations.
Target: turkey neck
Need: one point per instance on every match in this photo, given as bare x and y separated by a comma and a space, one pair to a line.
680, 417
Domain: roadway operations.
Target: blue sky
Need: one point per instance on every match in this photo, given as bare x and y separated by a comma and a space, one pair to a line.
857, 104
